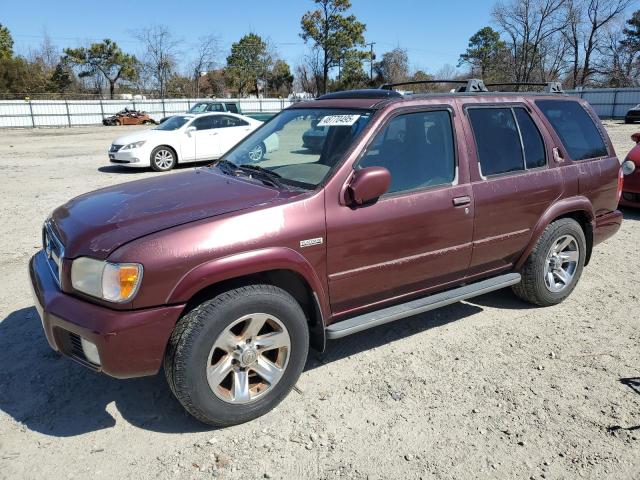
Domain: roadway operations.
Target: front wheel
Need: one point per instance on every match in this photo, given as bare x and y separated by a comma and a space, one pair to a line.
163, 159
235, 357
555, 265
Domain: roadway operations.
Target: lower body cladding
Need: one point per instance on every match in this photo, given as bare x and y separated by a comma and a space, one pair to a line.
122, 344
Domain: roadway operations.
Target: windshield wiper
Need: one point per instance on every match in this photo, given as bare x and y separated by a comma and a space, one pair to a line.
262, 174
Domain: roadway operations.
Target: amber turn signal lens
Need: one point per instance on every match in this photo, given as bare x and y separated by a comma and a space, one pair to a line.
120, 281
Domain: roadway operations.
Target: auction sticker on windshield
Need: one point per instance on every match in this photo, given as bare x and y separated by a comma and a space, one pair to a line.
338, 120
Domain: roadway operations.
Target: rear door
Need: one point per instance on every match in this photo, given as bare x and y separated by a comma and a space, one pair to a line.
231, 131
418, 235
513, 183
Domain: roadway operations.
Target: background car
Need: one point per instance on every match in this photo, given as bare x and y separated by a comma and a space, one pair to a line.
633, 115
129, 117
187, 138
631, 183
209, 106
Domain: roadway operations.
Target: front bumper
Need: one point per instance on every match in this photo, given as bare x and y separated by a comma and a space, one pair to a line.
631, 190
606, 226
138, 157
130, 343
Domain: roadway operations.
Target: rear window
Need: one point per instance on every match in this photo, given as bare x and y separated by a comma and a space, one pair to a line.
579, 135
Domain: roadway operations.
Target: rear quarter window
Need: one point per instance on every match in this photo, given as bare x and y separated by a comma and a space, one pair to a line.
579, 135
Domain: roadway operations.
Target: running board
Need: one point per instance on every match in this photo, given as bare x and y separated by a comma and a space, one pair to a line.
421, 305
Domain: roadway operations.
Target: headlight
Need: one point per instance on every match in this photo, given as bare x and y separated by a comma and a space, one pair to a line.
115, 282
133, 145
628, 167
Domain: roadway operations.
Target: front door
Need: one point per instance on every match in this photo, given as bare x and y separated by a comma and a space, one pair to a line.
418, 235
206, 137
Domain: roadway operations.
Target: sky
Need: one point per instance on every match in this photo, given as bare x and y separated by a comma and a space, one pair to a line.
435, 32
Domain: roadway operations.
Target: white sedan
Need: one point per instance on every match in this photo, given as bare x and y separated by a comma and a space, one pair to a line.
188, 138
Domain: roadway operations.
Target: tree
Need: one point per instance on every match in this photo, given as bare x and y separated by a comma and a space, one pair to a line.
280, 77
332, 33
632, 32
308, 77
62, 78
394, 66
248, 64
105, 59
485, 53
6, 43
352, 73
205, 59
160, 57
599, 14
529, 25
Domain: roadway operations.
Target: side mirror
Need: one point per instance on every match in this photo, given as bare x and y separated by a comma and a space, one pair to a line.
636, 137
368, 184
190, 130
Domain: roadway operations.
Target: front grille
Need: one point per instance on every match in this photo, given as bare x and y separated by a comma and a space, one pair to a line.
54, 251
114, 148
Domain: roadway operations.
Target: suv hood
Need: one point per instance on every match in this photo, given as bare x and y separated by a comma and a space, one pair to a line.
96, 223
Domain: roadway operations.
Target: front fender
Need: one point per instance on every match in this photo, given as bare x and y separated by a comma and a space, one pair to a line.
578, 204
249, 263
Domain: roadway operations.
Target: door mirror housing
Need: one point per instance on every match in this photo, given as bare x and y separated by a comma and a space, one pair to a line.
368, 184
190, 130
636, 137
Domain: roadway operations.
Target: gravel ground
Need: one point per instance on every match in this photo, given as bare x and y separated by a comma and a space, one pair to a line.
488, 388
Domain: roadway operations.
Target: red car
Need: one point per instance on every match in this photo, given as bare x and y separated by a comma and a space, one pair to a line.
631, 167
227, 274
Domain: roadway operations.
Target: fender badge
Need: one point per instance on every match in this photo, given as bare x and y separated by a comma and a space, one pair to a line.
310, 242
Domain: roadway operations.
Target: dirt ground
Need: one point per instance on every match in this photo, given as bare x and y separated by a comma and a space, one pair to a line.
488, 388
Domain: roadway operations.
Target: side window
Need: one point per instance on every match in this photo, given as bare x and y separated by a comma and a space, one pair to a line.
497, 140
574, 126
232, 107
203, 123
215, 107
226, 121
417, 149
534, 153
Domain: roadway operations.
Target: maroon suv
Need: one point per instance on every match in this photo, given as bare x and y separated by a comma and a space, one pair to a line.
226, 274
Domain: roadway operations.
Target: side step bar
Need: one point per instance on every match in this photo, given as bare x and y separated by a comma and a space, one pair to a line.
414, 307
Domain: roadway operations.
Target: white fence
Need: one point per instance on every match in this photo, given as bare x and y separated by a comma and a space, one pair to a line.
71, 113
610, 102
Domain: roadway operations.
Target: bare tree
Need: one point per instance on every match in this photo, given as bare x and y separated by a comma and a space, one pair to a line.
204, 59
161, 50
309, 73
529, 24
599, 13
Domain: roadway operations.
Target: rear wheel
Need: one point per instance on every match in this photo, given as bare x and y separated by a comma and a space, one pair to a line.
163, 159
555, 265
235, 357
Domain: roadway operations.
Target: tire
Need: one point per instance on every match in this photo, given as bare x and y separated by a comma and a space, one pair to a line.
117, 123
163, 159
257, 153
537, 287
147, 122
192, 353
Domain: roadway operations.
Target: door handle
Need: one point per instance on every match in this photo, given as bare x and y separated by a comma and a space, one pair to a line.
461, 201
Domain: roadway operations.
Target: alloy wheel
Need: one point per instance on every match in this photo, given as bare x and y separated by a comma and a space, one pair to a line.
248, 358
163, 159
561, 264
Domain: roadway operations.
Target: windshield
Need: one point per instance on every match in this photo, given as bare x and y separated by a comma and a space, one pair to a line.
301, 145
173, 123
198, 108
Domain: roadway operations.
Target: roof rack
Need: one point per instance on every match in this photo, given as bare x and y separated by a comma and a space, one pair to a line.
363, 93
469, 85
549, 87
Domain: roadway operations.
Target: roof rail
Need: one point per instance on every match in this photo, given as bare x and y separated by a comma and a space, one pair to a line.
469, 85
549, 87
363, 93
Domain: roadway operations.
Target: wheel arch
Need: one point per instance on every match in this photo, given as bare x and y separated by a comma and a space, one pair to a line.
283, 268
578, 208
